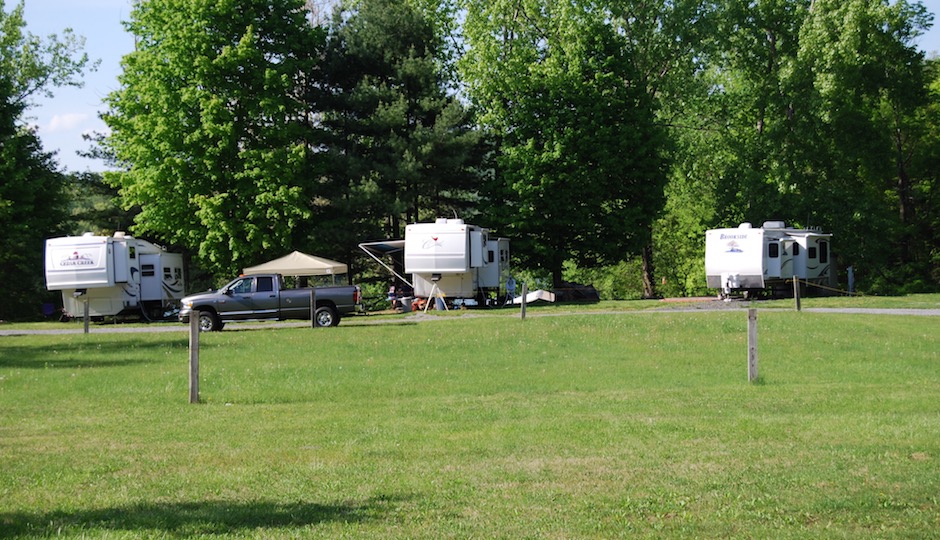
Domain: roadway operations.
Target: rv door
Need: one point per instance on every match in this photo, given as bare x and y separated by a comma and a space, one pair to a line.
771, 257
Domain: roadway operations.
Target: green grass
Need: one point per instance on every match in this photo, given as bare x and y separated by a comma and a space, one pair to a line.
602, 425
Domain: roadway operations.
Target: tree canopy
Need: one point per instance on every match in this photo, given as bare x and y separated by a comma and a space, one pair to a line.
32, 190
212, 125
588, 132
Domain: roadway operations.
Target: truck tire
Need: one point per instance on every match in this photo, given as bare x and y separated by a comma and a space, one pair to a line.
326, 316
209, 322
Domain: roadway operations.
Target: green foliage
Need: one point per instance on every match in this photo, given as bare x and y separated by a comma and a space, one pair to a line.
401, 149
579, 156
32, 195
212, 122
622, 281
809, 112
95, 206
243, 131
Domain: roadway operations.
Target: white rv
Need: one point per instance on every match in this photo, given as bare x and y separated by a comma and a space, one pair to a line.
115, 275
449, 259
752, 259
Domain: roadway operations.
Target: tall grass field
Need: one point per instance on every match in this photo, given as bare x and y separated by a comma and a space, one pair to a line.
583, 425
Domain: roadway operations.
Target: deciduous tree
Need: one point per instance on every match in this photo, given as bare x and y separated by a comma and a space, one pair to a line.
32, 202
213, 124
579, 154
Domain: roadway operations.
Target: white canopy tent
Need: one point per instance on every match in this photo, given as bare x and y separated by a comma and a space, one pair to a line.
299, 264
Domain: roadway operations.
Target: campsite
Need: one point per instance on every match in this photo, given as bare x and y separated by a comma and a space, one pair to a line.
614, 420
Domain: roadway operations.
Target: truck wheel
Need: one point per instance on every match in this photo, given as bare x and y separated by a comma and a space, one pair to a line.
326, 316
209, 322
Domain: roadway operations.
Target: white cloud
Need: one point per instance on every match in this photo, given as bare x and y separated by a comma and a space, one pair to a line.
66, 122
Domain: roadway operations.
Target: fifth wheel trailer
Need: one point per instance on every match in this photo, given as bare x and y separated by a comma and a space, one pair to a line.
450, 259
115, 275
749, 259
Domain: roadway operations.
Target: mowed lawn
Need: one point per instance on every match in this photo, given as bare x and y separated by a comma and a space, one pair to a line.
593, 425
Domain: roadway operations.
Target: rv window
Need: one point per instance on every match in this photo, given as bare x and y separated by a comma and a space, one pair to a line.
796, 249
823, 251
265, 284
166, 273
773, 250
133, 252
812, 253
147, 270
492, 257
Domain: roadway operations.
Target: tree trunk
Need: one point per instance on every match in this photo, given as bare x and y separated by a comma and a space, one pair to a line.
649, 285
905, 195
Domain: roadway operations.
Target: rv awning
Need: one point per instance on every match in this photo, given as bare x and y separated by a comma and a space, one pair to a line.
299, 264
384, 247
377, 250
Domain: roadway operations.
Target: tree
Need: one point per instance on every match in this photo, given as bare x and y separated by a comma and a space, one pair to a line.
579, 152
94, 206
401, 149
32, 204
810, 115
214, 126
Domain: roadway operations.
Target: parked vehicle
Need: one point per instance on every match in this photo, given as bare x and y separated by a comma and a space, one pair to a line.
264, 297
751, 260
114, 275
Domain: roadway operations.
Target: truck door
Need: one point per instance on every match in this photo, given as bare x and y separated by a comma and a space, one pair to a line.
252, 298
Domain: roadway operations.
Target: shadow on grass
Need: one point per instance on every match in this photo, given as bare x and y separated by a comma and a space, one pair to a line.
186, 519
70, 356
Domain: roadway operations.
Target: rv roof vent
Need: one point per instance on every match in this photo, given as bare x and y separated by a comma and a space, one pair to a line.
440, 220
455, 221
745, 225
119, 234
88, 234
775, 225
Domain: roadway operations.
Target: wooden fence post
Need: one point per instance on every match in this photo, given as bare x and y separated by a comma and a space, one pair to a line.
752, 345
194, 357
525, 292
313, 307
796, 292
85, 315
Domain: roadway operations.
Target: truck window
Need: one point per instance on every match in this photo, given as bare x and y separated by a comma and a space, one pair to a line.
242, 286
265, 284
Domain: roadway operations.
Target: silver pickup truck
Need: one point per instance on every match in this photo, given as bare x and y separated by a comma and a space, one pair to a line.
263, 296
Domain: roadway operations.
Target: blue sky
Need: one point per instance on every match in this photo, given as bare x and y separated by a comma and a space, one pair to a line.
63, 119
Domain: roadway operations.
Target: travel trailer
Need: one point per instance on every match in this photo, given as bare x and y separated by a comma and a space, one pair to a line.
115, 275
448, 259
766, 259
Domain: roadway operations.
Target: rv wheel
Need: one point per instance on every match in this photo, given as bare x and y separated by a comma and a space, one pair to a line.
209, 322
